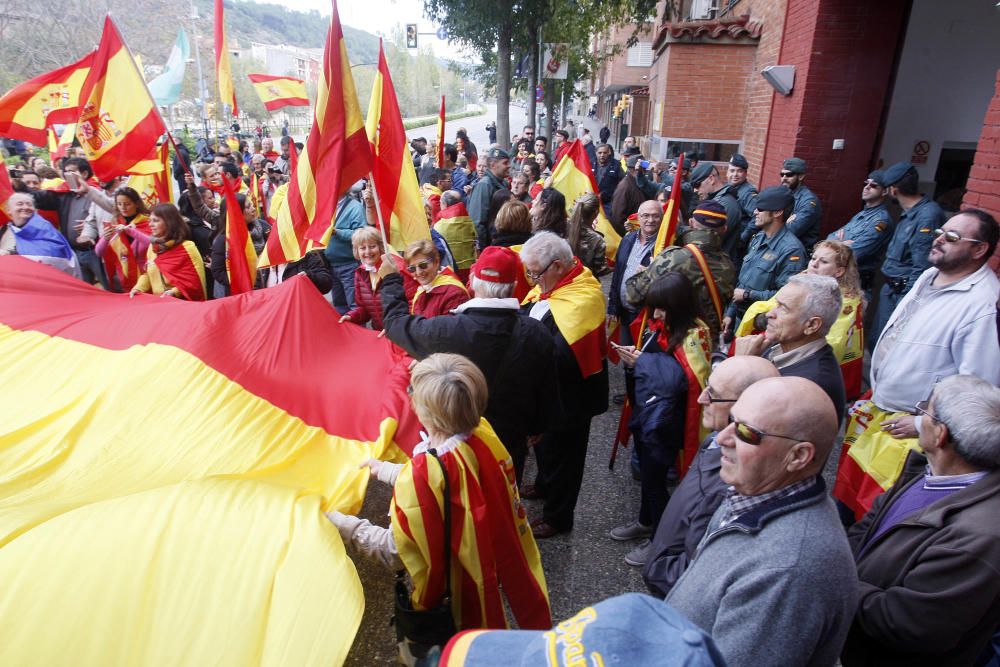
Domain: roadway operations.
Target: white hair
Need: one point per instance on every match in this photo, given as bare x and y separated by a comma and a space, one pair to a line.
546, 247
20, 195
450, 198
484, 289
822, 300
970, 407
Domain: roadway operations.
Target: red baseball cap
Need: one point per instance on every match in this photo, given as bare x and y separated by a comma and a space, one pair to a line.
497, 264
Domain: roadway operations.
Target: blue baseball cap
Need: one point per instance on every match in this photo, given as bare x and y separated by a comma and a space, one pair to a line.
631, 629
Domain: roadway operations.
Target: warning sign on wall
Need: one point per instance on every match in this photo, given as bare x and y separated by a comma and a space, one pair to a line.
921, 150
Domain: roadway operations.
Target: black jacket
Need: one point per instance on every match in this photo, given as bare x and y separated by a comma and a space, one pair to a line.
314, 265
823, 369
606, 186
615, 305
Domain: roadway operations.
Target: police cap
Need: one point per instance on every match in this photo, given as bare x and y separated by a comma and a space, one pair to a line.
739, 161
498, 153
701, 172
775, 198
896, 172
796, 165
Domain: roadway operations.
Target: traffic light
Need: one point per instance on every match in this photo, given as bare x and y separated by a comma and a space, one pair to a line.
411, 35
626, 100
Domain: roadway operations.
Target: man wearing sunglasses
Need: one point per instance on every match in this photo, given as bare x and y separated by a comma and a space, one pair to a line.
868, 233
773, 580
927, 552
805, 218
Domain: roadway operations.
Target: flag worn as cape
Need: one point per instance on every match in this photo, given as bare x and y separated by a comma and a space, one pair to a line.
277, 92
241, 258
578, 309
119, 123
166, 88
48, 99
167, 476
119, 256
40, 241
396, 185
181, 266
223, 72
490, 541
445, 277
573, 177
457, 228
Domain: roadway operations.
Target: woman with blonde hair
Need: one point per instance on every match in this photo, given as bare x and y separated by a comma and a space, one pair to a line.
587, 243
513, 225
366, 242
439, 291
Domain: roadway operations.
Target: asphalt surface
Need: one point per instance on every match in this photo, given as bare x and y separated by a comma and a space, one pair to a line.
474, 125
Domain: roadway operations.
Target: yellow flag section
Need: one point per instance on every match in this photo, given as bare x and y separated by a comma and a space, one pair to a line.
162, 484
573, 177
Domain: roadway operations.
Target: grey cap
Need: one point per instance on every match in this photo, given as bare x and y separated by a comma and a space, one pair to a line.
632, 160
701, 172
878, 176
739, 161
498, 153
896, 172
775, 198
796, 165
687, 163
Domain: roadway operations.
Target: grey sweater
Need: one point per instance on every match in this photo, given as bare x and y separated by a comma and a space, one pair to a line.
777, 586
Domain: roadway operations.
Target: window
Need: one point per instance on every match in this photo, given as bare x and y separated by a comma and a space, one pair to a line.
640, 55
300, 68
711, 150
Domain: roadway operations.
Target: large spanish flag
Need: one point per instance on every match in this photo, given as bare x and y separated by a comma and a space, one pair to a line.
27, 110
223, 71
336, 155
574, 177
399, 197
164, 466
119, 123
279, 91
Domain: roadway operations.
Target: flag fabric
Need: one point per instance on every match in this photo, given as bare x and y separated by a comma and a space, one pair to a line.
695, 358
440, 136
156, 187
168, 480
241, 258
6, 190
671, 214
119, 258
119, 123
59, 143
40, 242
335, 156
457, 228
277, 92
179, 266
223, 71
166, 88
52, 98
574, 177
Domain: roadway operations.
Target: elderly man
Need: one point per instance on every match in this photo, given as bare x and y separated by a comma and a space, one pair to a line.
945, 325
869, 231
514, 352
699, 256
928, 550
568, 301
634, 253
267, 149
805, 219
33, 237
701, 491
497, 169
795, 338
458, 231
773, 580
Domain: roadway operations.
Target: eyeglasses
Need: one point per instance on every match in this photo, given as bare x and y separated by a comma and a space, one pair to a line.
754, 436
535, 276
872, 184
419, 266
786, 174
713, 399
922, 407
953, 237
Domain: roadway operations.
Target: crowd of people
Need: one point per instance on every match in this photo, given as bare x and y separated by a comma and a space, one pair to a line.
743, 346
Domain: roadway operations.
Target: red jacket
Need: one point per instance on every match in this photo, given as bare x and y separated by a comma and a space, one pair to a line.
369, 305
440, 301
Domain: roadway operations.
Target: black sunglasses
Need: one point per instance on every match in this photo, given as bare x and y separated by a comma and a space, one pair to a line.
754, 436
422, 266
786, 174
712, 398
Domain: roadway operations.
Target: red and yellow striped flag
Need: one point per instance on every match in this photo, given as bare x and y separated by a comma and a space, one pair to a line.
155, 187
671, 215
399, 196
440, 136
336, 155
574, 177
241, 258
279, 91
59, 144
27, 110
223, 71
119, 123
6, 190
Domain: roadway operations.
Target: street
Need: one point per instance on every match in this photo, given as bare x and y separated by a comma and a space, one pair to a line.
474, 125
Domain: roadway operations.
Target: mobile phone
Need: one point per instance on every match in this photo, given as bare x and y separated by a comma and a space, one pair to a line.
72, 180
644, 164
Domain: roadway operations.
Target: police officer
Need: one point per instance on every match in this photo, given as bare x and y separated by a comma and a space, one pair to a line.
687, 192
906, 256
775, 254
869, 231
707, 185
804, 221
744, 191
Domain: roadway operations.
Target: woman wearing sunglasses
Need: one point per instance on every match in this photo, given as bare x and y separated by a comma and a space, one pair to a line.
440, 291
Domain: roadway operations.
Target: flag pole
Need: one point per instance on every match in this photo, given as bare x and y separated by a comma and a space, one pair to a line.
378, 211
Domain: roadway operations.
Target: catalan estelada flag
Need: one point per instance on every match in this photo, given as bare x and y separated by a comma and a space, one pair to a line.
162, 478
573, 177
399, 197
223, 72
27, 110
279, 91
119, 123
241, 258
335, 157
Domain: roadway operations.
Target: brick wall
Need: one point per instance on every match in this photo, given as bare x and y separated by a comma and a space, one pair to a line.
705, 92
983, 188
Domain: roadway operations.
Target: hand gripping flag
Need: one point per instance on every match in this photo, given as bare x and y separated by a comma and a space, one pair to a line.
223, 72
573, 177
241, 258
399, 196
27, 110
279, 91
119, 123
162, 478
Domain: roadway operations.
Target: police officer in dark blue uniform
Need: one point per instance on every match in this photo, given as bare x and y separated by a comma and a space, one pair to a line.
906, 256
775, 255
708, 184
805, 218
744, 191
869, 231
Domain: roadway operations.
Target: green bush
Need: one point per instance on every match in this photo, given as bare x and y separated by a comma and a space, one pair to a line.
421, 121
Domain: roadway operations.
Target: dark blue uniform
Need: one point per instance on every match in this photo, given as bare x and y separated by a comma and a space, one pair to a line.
805, 218
869, 232
768, 265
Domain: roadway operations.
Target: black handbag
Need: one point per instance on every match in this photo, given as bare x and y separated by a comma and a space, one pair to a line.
430, 627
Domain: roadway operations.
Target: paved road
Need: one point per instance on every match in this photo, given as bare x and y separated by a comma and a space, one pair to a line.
475, 125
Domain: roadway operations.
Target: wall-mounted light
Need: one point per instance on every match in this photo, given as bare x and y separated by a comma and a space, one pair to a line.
781, 77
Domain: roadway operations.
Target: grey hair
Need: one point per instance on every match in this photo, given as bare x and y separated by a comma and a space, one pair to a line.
822, 299
545, 247
450, 198
20, 195
970, 407
484, 289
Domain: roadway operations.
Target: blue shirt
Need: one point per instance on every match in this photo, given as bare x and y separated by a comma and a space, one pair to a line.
870, 230
768, 265
804, 221
911, 242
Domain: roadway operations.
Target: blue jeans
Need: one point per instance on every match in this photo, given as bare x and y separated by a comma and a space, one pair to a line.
90, 267
342, 292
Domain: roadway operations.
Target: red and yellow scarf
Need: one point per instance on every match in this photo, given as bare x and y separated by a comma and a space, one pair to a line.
119, 258
445, 277
182, 267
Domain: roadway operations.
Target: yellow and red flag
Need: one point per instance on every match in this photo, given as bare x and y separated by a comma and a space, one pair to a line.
155, 187
119, 123
6, 190
27, 110
671, 215
440, 136
574, 177
223, 71
279, 91
59, 144
336, 155
121, 492
241, 258
399, 197
119, 259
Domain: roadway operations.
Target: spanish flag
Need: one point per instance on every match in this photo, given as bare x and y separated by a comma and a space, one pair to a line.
279, 91
119, 123
574, 177
58, 145
161, 479
155, 187
440, 136
395, 180
6, 190
119, 259
336, 155
241, 258
27, 110
223, 72
671, 215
